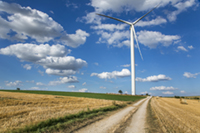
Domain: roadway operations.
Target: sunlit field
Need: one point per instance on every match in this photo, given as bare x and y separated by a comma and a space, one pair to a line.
177, 117
21, 109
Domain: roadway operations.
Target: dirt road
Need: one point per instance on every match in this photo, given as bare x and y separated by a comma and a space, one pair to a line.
108, 124
137, 124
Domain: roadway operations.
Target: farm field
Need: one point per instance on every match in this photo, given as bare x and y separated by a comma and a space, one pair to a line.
87, 95
20, 109
177, 117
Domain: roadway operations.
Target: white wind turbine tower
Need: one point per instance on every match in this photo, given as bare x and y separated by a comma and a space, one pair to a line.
132, 32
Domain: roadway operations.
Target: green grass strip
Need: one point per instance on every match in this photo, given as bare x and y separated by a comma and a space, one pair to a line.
87, 95
62, 122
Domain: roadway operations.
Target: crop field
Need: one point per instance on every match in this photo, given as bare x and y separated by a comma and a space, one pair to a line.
21, 109
177, 117
87, 95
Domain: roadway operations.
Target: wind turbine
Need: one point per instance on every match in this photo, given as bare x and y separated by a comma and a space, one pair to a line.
132, 32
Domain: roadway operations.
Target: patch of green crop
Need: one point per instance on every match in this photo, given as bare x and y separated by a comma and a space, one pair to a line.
87, 95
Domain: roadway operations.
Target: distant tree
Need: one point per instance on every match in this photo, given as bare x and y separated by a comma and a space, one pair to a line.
147, 94
18, 89
120, 91
176, 96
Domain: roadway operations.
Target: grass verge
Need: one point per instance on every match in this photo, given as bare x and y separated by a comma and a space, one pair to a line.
68, 123
88, 95
153, 125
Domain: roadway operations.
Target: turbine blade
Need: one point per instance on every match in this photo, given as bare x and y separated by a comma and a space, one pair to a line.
137, 41
145, 15
115, 19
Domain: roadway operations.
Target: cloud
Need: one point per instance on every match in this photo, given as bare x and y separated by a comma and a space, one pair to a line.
40, 84
27, 66
52, 12
157, 21
31, 81
190, 75
83, 90
1, 87
75, 40
180, 6
62, 63
102, 87
191, 47
37, 88
154, 78
64, 80
13, 84
25, 22
182, 91
144, 93
84, 83
114, 38
96, 63
71, 86
118, 6
52, 58
110, 27
161, 88
182, 48
41, 73
70, 4
152, 39
126, 65
127, 5
114, 74
167, 93
60, 72
33, 52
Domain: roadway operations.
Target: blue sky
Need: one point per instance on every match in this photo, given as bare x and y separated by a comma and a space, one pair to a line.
64, 46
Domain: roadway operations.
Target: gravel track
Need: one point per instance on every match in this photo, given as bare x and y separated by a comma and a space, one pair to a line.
138, 119
106, 125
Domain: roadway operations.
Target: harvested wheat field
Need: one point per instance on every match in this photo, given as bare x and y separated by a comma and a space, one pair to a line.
20, 109
177, 117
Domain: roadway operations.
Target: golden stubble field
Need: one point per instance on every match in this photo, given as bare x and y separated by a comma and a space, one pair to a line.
177, 117
20, 109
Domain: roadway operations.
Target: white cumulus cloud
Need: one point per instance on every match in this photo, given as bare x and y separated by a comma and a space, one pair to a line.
33, 52
157, 21
190, 47
83, 90
182, 48
182, 91
114, 74
31, 81
64, 80
84, 83
62, 63
40, 84
71, 86
161, 88
37, 88
167, 92
60, 72
190, 75
152, 39
27, 66
154, 78
180, 6
126, 65
102, 87
26, 22
13, 84
109, 27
